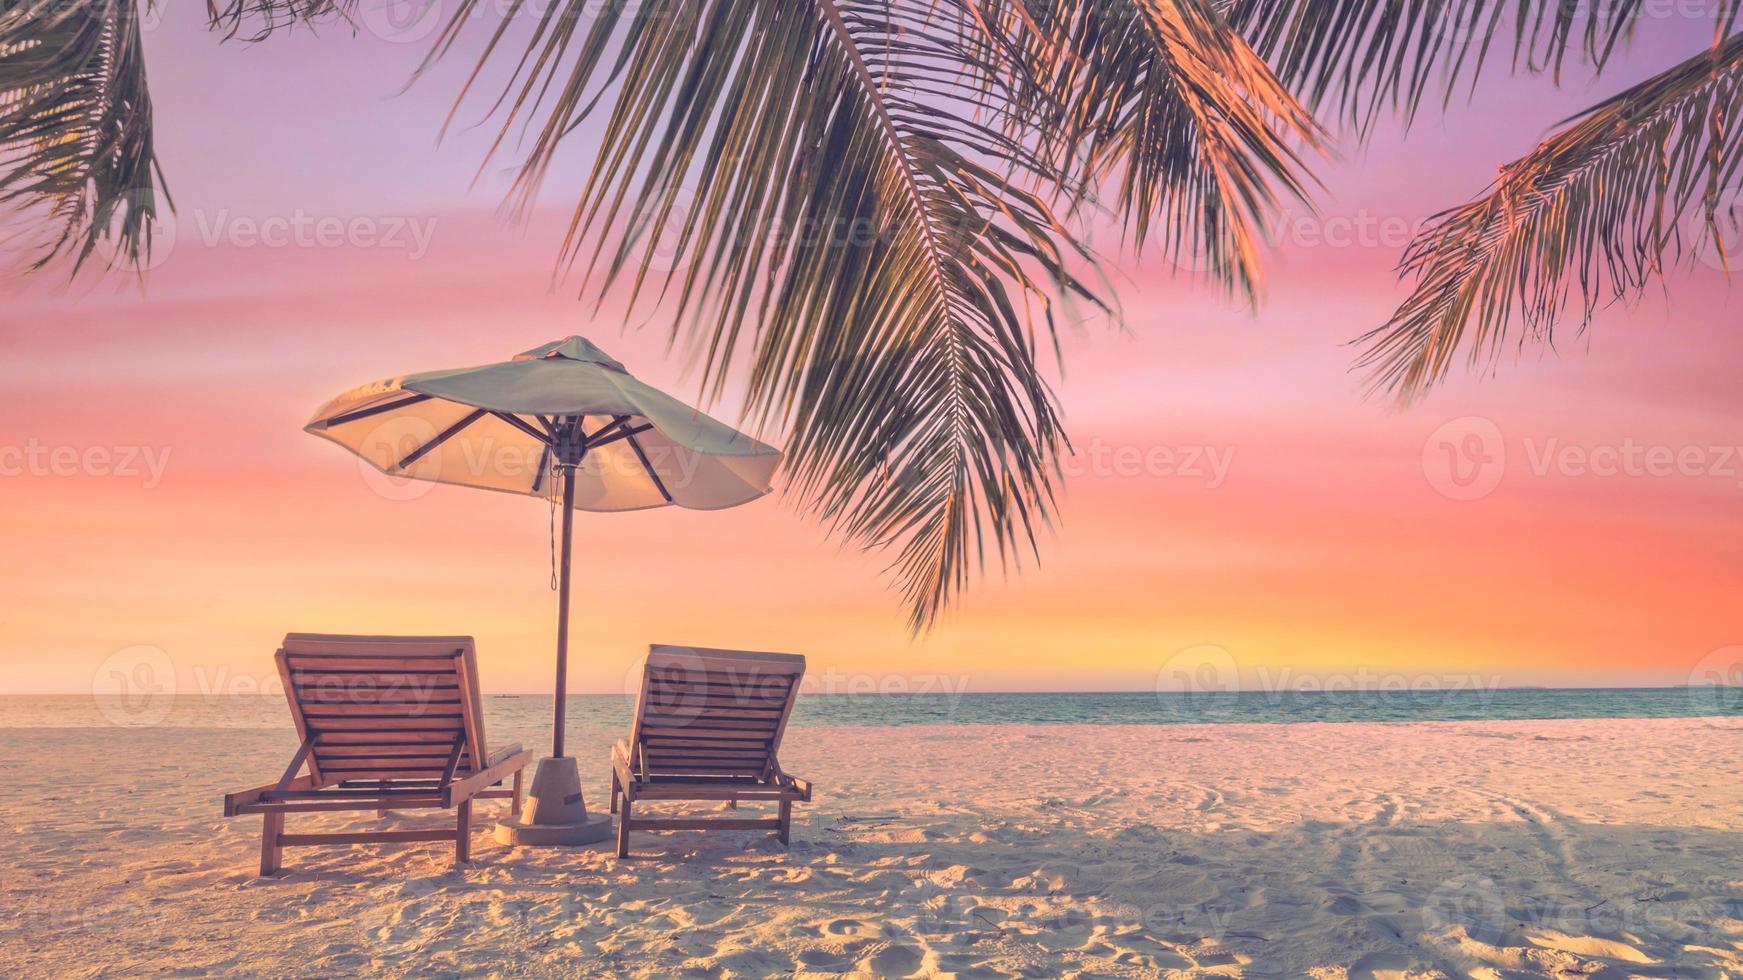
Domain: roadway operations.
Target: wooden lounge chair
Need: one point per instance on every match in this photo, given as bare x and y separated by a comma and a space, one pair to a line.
708, 726
386, 722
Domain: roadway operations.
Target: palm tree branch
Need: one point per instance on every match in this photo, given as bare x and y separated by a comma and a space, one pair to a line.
77, 166
1163, 99
1363, 57
1596, 209
851, 235
255, 20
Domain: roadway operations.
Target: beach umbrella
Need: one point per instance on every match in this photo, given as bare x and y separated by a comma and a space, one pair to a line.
563, 421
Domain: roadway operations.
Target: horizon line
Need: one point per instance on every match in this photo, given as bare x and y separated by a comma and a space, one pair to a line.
984, 693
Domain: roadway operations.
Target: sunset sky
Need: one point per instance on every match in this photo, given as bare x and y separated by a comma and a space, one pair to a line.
1234, 487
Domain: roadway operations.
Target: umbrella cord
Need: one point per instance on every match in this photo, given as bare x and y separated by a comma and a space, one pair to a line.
551, 497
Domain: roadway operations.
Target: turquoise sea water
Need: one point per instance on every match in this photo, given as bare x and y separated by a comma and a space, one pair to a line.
1121, 708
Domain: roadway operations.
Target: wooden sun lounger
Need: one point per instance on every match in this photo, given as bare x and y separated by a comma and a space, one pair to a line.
386, 722
708, 726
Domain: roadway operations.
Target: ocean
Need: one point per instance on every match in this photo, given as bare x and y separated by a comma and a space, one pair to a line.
524, 712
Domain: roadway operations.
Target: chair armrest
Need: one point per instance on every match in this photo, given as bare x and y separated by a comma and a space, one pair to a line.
803, 786
461, 790
234, 802
620, 768
502, 755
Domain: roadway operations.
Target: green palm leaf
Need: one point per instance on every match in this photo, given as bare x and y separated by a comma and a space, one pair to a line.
76, 161
1595, 209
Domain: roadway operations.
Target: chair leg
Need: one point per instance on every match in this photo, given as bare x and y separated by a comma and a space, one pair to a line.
271, 826
623, 829
463, 832
786, 821
616, 790
515, 805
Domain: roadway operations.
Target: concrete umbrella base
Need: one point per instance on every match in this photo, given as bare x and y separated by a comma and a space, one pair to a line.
555, 813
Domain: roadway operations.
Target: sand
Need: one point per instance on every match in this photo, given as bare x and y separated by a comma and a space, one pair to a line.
1585, 849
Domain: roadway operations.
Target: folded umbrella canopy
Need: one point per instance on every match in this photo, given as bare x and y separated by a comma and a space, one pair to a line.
563, 421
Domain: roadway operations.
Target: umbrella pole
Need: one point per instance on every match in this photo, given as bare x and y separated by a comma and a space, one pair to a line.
555, 812
563, 612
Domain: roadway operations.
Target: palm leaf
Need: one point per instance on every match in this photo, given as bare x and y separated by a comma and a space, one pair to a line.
1166, 101
1596, 209
76, 162
1362, 57
853, 232
254, 20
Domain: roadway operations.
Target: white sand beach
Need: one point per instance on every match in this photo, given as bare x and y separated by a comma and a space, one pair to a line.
1605, 848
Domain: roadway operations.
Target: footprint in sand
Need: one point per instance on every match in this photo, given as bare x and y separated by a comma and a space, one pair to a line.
1382, 966
893, 961
850, 929
969, 966
1155, 954
824, 960
1346, 905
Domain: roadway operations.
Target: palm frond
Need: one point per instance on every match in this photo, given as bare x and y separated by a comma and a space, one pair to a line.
1596, 209
76, 162
1166, 100
1363, 57
255, 20
852, 231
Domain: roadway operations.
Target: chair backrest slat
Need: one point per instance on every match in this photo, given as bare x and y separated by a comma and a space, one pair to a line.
384, 707
713, 713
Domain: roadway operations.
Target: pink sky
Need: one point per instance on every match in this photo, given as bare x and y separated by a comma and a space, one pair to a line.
1235, 488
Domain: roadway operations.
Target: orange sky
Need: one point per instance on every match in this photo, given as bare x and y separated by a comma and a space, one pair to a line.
1305, 536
